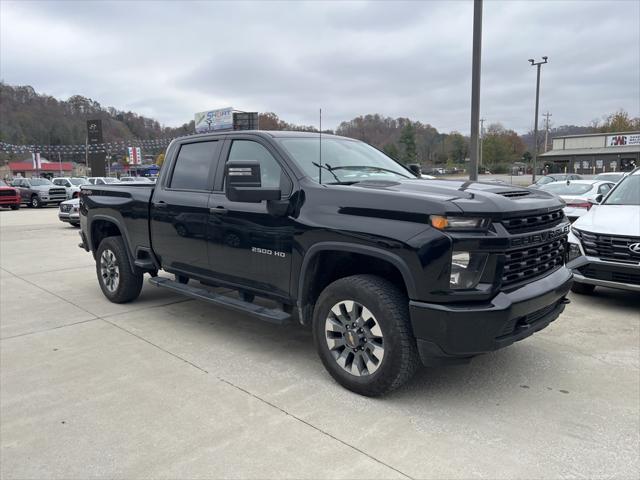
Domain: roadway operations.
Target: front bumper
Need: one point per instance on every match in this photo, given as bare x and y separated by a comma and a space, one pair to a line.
9, 200
454, 332
69, 217
593, 271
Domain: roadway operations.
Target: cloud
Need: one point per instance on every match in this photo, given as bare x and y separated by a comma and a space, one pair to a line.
413, 59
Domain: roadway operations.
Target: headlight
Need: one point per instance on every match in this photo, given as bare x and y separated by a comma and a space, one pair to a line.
459, 223
466, 269
573, 252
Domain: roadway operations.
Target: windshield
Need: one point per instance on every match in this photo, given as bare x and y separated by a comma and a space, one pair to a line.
627, 192
544, 180
343, 161
38, 182
610, 177
570, 189
79, 181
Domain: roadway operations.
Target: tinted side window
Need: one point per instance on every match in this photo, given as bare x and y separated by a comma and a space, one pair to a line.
192, 167
271, 174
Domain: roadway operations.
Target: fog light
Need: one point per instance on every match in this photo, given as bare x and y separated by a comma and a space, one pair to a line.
573, 252
466, 269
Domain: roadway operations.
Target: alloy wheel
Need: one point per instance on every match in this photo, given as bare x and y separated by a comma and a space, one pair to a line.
109, 270
354, 338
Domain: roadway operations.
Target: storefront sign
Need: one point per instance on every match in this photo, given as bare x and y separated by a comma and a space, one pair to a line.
623, 140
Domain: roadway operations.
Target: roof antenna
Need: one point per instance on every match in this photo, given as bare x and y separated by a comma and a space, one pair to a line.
320, 151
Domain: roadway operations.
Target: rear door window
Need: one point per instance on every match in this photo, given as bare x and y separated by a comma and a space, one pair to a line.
193, 167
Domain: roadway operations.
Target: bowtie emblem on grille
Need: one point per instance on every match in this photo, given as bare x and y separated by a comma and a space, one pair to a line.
635, 248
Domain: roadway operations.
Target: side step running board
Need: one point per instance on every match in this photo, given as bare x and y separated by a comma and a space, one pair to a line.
267, 314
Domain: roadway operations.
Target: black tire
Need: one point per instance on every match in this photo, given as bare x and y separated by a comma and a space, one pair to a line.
129, 283
35, 202
389, 308
15, 207
74, 224
582, 288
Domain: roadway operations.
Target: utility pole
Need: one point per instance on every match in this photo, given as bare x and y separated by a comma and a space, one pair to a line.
481, 140
535, 129
546, 129
475, 89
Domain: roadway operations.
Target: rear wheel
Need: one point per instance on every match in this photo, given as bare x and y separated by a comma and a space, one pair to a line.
15, 207
582, 288
362, 334
118, 282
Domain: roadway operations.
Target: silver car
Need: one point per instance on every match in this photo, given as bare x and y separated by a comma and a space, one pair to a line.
579, 195
69, 212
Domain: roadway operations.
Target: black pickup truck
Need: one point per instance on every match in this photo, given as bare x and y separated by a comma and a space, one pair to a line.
388, 269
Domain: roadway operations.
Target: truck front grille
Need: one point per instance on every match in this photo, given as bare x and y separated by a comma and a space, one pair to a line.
525, 264
613, 248
532, 223
8, 193
57, 192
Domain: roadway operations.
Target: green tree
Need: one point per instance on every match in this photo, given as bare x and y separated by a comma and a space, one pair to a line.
160, 159
392, 151
408, 140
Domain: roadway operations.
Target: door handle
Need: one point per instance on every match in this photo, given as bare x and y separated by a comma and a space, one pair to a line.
160, 204
218, 210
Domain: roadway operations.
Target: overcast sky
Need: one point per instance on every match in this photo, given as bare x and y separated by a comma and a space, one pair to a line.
168, 60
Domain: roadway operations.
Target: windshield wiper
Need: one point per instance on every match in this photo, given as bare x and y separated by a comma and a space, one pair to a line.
329, 169
368, 167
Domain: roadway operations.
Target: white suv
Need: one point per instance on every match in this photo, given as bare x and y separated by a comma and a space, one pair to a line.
604, 244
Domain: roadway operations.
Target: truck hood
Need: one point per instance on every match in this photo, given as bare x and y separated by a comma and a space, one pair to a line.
611, 219
494, 200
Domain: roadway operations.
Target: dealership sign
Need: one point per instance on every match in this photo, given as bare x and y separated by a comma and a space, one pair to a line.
221, 119
622, 140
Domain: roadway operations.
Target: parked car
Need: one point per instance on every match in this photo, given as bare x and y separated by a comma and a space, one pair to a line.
614, 177
102, 180
604, 244
71, 185
69, 212
388, 269
579, 195
9, 196
135, 179
555, 177
36, 192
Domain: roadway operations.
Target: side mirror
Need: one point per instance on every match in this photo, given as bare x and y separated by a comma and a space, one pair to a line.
597, 200
242, 182
415, 168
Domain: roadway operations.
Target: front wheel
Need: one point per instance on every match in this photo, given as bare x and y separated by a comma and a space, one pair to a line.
119, 283
36, 202
362, 334
15, 207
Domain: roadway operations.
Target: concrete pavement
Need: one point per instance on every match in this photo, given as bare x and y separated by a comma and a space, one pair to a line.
166, 387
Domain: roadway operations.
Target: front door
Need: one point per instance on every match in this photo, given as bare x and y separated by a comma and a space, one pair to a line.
249, 247
180, 209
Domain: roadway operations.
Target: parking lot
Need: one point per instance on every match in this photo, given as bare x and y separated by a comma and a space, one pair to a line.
167, 387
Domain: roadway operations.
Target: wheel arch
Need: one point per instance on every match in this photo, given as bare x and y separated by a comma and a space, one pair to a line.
103, 226
309, 285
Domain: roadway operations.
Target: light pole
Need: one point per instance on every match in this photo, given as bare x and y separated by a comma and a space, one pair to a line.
475, 89
535, 128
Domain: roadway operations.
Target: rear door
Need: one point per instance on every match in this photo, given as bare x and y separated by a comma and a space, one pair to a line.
180, 208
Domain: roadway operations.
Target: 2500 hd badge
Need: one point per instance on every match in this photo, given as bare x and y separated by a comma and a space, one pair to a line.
266, 251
